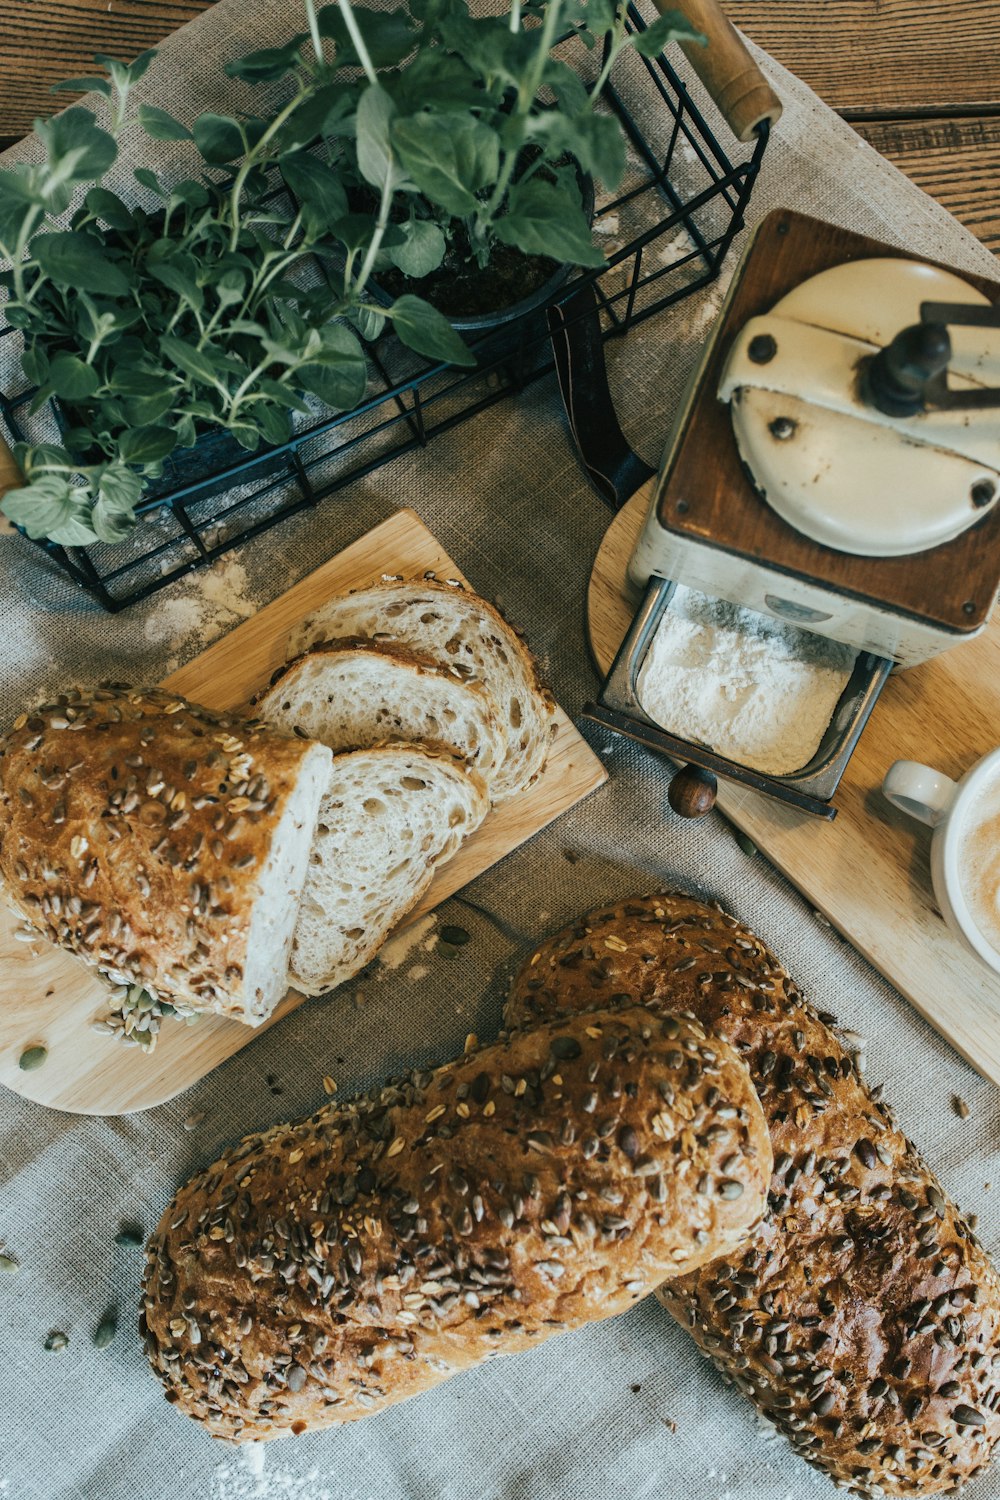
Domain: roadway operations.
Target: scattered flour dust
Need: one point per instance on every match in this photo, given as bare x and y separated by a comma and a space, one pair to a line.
249, 1477
394, 953
200, 607
749, 687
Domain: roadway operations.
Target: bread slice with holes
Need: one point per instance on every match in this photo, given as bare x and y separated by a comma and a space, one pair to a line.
451, 626
353, 694
389, 818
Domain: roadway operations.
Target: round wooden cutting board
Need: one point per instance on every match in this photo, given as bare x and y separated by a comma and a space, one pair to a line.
609, 613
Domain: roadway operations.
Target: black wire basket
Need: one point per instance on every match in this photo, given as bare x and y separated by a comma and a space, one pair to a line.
681, 205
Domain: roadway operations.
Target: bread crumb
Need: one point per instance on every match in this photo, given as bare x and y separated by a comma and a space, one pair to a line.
419, 971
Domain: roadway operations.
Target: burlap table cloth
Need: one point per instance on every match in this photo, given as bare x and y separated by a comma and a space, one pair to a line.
628, 1407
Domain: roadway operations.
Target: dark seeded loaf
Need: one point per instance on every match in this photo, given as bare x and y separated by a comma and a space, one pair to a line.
862, 1316
164, 843
326, 1270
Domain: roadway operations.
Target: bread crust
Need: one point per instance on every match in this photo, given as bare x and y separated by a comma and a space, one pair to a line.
419, 666
323, 1271
528, 732
862, 1316
134, 830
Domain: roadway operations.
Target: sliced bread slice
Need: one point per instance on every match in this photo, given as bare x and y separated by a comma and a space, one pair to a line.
458, 630
390, 816
351, 695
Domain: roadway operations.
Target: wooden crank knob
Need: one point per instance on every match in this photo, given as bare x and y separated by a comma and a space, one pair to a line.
692, 792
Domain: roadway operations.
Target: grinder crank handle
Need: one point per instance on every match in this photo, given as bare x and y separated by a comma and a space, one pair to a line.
743, 95
578, 350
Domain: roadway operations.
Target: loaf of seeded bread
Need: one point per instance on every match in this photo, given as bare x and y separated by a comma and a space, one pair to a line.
862, 1316
352, 694
389, 817
323, 1271
164, 843
459, 631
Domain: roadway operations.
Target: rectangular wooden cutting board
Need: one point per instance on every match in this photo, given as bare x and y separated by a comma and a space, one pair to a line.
48, 997
868, 871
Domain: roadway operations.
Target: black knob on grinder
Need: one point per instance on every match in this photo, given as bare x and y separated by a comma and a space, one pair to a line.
895, 380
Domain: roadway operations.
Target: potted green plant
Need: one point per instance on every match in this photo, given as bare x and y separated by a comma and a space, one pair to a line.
411, 142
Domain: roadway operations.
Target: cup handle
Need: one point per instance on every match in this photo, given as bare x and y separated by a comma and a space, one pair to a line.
919, 791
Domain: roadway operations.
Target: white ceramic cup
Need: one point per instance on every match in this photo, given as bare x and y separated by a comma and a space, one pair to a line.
943, 804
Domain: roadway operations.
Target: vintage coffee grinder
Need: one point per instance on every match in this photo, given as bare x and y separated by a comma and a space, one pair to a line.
835, 464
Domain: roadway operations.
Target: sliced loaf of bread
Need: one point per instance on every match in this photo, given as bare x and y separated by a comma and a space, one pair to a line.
459, 631
389, 817
162, 842
353, 694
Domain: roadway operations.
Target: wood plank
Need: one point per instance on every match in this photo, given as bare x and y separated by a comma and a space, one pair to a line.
955, 161
876, 56
868, 871
43, 42
49, 997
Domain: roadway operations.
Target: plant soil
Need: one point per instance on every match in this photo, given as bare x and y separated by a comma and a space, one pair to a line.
460, 289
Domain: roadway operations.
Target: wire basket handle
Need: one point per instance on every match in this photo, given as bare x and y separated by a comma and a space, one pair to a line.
740, 90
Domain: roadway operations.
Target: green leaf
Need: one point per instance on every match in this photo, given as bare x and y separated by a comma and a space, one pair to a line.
146, 445
109, 208
90, 83
388, 35
149, 179
274, 422
339, 373
111, 525
490, 48
192, 361
545, 218
145, 411
435, 80
325, 111
449, 158
35, 363
132, 382
118, 494
190, 192
376, 158
138, 67
17, 196
316, 187
281, 394
368, 320
41, 507
77, 150
248, 437
218, 138
71, 379
268, 65
595, 140
671, 26
423, 328
353, 231
230, 287
187, 433
422, 250
568, 88
178, 272
78, 260
160, 125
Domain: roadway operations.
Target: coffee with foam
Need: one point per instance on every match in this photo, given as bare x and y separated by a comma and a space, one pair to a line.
979, 861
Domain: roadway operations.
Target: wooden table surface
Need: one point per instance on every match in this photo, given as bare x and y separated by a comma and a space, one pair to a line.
920, 79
